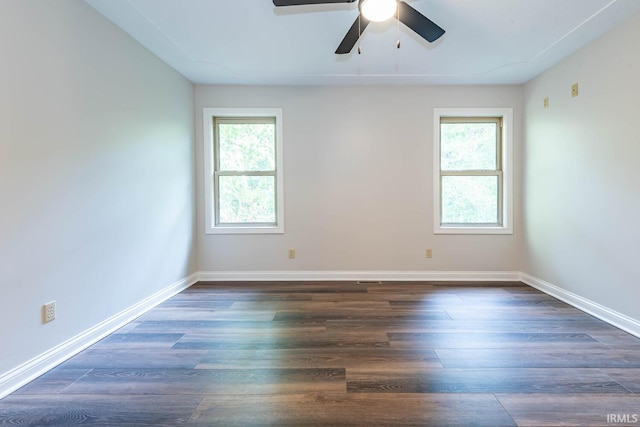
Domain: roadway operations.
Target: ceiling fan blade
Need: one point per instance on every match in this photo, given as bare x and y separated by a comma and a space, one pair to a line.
419, 23
303, 2
352, 36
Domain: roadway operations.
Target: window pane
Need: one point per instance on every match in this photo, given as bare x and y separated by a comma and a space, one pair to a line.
247, 146
468, 146
247, 199
469, 200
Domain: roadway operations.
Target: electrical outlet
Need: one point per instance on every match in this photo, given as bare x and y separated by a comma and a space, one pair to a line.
49, 312
428, 253
292, 253
545, 102
574, 90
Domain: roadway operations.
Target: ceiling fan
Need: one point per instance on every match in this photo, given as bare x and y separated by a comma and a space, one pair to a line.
377, 11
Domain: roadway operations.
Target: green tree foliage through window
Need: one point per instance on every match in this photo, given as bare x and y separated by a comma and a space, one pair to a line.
468, 146
247, 146
470, 171
245, 175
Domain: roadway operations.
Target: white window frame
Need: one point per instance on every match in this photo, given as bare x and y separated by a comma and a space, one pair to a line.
211, 227
506, 227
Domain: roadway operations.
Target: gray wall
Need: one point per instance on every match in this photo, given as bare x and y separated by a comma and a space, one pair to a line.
359, 182
96, 173
582, 176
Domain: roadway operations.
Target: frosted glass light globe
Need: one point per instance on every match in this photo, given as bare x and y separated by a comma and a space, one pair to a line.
379, 10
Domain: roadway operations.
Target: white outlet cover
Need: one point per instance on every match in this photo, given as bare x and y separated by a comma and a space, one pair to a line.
49, 311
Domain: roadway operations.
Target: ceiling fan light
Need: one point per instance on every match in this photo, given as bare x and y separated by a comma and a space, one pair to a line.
379, 10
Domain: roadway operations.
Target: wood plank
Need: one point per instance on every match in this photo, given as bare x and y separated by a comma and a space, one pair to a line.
100, 410
52, 382
515, 380
587, 326
239, 327
223, 314
617, 339
492, 340
136, 340
540, 410
628, 377
542, 357
349, 358
312, 305
282, 341
508, 314
209, 381
138, 357
323, 410
364, 314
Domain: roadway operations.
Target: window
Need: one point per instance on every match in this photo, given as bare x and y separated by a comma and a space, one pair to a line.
473, 174
243, 163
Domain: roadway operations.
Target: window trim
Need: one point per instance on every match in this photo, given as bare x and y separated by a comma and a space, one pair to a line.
211, 222
505, 197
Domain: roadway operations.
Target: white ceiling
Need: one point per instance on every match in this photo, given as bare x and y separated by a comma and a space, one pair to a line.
253, 42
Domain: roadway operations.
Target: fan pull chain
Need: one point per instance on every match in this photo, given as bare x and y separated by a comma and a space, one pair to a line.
398, 25
359, 31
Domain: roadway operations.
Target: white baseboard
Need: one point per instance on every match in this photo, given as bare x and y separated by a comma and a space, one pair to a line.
435, 276
28, 371
619, 320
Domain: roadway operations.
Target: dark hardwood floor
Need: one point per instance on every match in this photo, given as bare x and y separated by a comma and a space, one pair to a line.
346, 354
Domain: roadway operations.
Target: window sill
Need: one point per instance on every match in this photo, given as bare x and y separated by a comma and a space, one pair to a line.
245, 230
472, 230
